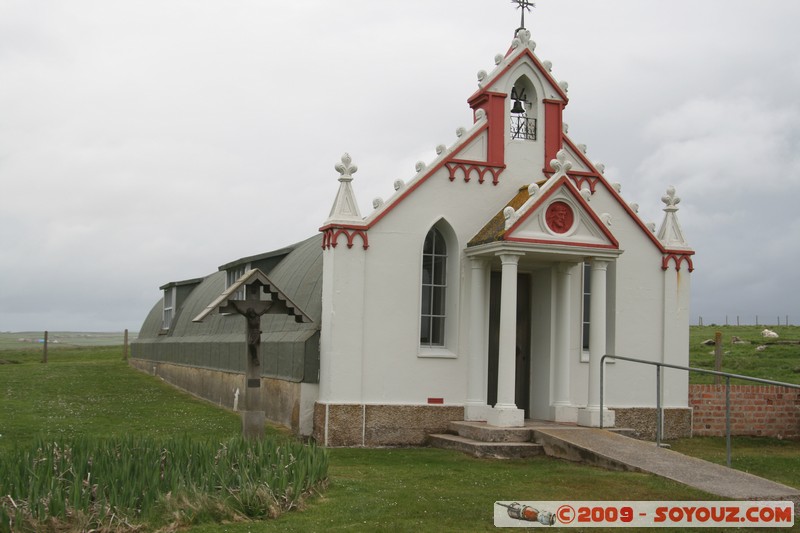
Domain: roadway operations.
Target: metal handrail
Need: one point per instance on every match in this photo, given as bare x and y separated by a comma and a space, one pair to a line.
660, 409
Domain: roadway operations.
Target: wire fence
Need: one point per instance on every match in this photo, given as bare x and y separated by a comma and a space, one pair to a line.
742, 320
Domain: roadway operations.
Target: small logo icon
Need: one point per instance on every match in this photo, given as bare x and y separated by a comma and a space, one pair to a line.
528, 513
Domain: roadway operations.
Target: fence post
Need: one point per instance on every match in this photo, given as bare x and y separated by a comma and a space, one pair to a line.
125, 346
659, 414
717, 355
728, 420
44, 349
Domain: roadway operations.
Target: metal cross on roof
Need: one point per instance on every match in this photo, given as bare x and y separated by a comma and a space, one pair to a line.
523, 5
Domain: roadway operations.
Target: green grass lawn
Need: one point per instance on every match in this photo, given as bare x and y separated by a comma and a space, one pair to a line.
91, 391
779, 361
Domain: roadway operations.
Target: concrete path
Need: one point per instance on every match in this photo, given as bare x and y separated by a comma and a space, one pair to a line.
609, 450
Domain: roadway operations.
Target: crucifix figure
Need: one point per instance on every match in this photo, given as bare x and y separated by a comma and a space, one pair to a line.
523, 5
252, 285
253, 318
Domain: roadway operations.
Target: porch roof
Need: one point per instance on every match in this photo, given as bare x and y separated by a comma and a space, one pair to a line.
495, 229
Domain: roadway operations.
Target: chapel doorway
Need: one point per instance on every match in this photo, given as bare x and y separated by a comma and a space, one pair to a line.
523, 359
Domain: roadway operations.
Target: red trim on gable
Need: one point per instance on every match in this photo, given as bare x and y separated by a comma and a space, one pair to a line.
602, 180
563, 183
566, 243
451, 157
543, 71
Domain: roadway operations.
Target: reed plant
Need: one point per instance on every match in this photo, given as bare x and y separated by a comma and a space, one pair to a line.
138, 482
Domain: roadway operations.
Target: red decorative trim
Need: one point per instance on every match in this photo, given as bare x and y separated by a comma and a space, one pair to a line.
436, 401
562, 183
564, 243
494, 105
430, 172
580, 180
468, 167
677, 258
544, 72
330, 236
559, 217
553, 130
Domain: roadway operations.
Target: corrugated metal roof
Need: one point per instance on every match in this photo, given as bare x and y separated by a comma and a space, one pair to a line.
298, 275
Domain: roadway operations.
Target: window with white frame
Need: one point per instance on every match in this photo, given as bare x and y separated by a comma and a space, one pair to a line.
233, 275
433, 313
169, 307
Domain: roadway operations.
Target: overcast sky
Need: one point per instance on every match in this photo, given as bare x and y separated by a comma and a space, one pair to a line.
149, 141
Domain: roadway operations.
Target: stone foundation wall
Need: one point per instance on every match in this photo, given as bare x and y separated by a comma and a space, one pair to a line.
381, 425
756, 410
279, 399
677, 422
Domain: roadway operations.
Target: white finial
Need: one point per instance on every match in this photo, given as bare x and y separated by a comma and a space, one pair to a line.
670, 199
634, 207
345, 207
346, 168
564, 86
399, 184
481, 76
670, 232
548, 65
601, 168
420, 166
617, 187
377, 202
582, 148
460, 132
533, 189
440, 148
606, 218
560, 164
498, 59
480, 114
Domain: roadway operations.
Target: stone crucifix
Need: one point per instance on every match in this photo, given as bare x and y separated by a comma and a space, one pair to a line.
261, 297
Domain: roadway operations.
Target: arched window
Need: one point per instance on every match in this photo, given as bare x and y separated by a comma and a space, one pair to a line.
523, 102
434, 290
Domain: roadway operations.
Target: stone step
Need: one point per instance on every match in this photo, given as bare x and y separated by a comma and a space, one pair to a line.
500, 450
480, 431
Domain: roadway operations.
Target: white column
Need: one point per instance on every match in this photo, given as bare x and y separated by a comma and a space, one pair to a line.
597, 346
561, 409
475, 407
505, 412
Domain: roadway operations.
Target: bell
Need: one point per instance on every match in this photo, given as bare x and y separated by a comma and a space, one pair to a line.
518, 99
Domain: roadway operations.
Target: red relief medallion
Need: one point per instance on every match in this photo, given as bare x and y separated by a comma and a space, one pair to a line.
559, 217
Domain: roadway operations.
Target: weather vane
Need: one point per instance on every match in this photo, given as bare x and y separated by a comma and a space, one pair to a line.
523, 5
